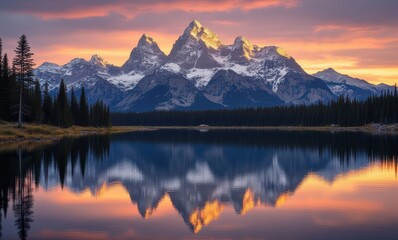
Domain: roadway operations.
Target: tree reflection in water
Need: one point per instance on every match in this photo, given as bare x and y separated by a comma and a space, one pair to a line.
199, 171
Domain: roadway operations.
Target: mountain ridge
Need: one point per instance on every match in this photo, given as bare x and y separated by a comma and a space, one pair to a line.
269, 76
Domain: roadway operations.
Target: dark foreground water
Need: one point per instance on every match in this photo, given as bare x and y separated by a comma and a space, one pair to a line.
186, 184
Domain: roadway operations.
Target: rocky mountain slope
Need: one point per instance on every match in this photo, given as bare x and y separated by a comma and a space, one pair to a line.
345, 85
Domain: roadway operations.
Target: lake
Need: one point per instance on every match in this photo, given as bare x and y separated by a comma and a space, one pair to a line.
191, 184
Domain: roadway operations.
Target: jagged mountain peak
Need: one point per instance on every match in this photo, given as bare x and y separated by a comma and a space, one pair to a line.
145, 57
76, 61
242, 50
146, 44
48, 66
194, 48
96, 57
242, 40
193, 28
344, 85
330, 74
281, 52
195, 23
328, 71
146, 40
98, 61
200, 33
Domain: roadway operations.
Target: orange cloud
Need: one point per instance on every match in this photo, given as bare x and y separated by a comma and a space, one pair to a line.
132, 8
220, 6
255, 4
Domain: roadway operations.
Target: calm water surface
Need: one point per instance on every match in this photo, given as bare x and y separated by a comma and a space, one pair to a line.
187, 184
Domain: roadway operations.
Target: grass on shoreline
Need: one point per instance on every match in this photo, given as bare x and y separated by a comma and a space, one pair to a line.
32, 132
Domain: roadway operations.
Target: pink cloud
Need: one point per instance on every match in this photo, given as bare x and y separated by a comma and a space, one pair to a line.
73, 9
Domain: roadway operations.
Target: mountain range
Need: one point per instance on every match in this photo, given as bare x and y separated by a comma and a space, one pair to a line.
202, 73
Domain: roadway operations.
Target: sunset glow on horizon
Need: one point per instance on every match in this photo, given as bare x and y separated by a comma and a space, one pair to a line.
358, 38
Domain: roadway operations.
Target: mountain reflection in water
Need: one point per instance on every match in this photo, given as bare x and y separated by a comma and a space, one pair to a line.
200, 174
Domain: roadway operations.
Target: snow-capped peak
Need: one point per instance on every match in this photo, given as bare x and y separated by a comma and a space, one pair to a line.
195, 23
330, 70
48, 65
194, 47
146, 40
98, 61
344, 85
200, 33
282, 52
193, 28
243, 47
241, 40
145, 57
75, 61
332, 76
146, 45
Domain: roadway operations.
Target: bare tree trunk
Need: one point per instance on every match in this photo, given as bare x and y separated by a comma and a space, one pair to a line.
20, 106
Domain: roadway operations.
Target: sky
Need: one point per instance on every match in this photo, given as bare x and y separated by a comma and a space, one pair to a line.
355, 37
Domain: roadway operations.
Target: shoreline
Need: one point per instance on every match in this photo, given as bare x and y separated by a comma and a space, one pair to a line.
370, 128
9, 133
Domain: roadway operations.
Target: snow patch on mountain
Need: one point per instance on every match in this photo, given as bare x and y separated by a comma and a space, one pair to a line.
126, 81
200, 77
172, 67
277, 78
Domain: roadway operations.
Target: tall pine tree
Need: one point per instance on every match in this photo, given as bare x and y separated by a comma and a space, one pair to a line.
37, 104
3, 88
1, 57
23, 63
47, 105
74, 107
64, 114
84, 110
55, 113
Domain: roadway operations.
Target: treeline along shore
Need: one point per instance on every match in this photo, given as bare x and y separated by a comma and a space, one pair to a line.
343, 112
